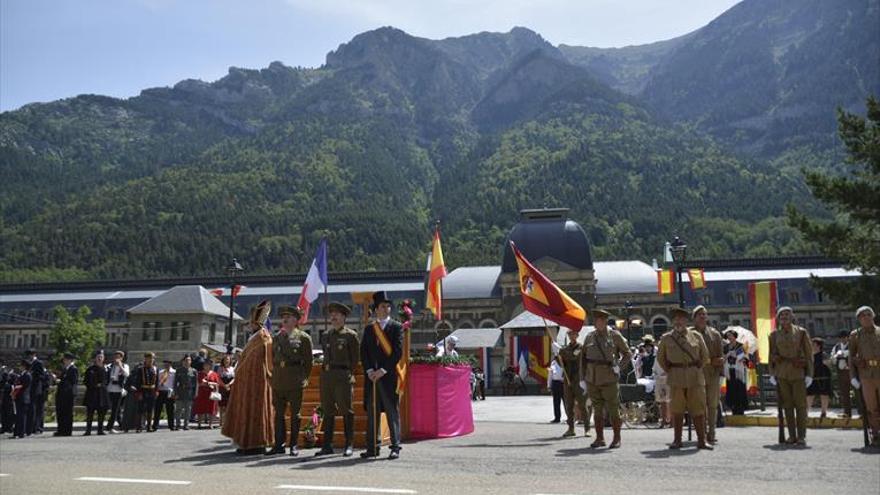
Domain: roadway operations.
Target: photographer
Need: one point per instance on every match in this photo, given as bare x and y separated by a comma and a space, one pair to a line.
118, 372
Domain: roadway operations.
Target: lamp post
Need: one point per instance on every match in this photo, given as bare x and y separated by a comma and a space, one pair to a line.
679, 255
628, 305
233, 270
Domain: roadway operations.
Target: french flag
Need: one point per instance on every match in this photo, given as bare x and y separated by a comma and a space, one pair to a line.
316, 281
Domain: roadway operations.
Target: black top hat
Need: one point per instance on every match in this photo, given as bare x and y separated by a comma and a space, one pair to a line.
69, 355
381, 297
338, 307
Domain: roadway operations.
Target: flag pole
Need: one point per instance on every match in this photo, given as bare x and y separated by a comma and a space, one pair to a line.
326, 291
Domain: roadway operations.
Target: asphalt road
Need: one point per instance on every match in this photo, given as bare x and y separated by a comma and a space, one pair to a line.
506, 456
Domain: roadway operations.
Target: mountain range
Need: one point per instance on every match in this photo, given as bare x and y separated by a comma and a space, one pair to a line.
701, 136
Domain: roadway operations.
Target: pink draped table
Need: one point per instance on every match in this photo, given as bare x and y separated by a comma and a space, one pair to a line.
440, 401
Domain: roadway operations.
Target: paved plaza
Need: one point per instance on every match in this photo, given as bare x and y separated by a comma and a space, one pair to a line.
513, 451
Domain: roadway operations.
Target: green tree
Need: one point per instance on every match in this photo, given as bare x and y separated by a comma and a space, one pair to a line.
854, 197
74, 333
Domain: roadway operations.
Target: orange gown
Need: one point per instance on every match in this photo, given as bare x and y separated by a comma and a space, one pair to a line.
250, 419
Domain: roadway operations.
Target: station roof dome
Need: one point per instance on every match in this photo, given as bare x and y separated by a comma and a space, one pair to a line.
548, 233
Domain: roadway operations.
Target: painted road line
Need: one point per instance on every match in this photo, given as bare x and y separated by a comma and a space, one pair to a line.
133, 480
358, 489
3, 475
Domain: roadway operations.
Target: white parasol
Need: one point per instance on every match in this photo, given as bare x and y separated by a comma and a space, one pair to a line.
745, 337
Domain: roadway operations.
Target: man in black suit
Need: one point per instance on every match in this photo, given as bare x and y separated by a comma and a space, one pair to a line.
38, 392
381, 350
21, 393
65, 396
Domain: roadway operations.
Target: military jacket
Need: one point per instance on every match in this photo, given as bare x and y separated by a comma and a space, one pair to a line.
291, 359
682, 354
341, 349
571, 358
599, 354
865, 344
715, 345
791, 354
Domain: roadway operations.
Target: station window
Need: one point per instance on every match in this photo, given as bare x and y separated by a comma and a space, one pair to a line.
173, 335
184, 331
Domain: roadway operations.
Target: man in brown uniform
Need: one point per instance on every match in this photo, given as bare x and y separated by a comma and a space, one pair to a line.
341, 356
572, 395
712, 371
791, 371
864, 361
292, 364
683, 355
601, 355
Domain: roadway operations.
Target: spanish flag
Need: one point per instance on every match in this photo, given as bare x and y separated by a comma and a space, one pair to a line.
543, 298
436, 272
698, 278
763, 299
665, 282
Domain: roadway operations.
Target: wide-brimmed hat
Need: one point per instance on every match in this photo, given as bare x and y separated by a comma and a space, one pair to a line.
675, 310
338, 307
290, 310
381, 297
599, 312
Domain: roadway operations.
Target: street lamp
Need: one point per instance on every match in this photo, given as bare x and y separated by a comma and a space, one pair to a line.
628, 305
233, 270
679, 255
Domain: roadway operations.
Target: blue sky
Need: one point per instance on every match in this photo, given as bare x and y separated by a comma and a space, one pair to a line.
52, 49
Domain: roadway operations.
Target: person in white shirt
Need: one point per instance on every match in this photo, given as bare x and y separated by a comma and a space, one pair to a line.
556, 383
840, 363
119, 372
166, 396
447, 348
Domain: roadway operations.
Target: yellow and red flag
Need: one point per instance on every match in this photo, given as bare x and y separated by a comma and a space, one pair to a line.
665, 282
697, 277
436, 272
763, 300
543, 298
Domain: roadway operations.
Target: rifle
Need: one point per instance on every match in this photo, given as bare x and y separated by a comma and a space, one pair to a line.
779, 418
861, 404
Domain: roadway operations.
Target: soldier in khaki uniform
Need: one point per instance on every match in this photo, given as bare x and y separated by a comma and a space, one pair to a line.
683, 355
341, 356
572, 395
791, 371
864, 360
713, 370
292, 360
602, 352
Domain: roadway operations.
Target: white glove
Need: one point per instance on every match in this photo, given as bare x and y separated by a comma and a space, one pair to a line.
808, 380
773, 381
855, 383
583, 385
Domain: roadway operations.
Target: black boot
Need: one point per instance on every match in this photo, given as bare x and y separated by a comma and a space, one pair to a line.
327, 448
101, 423
349, 434
89, 417
294, 437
